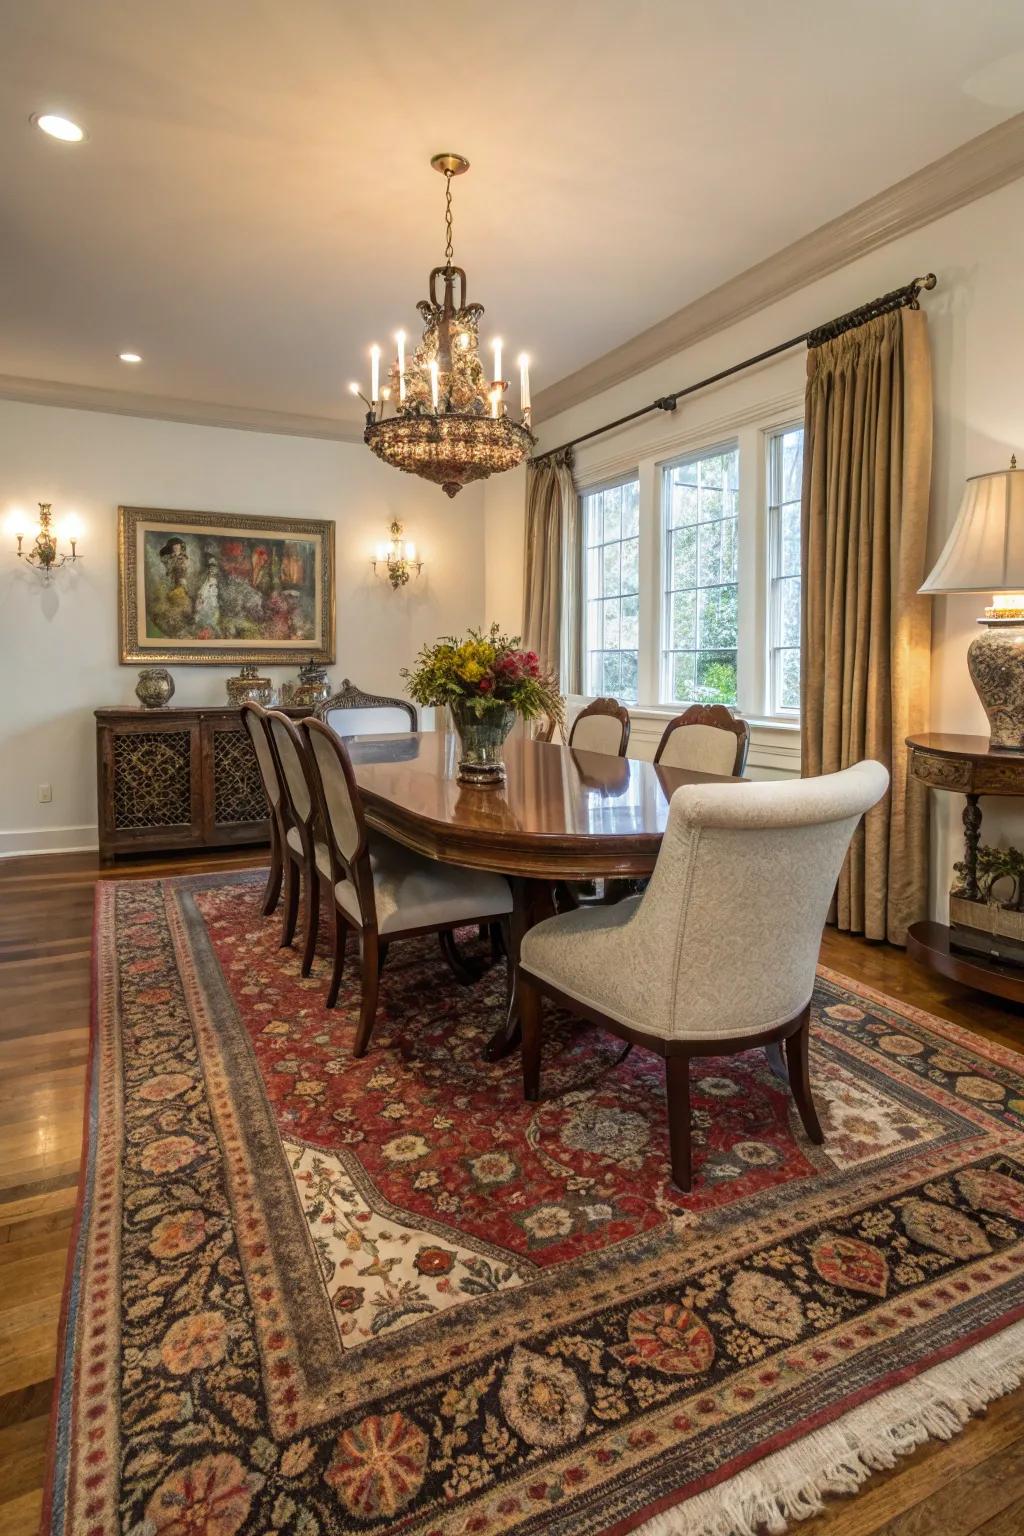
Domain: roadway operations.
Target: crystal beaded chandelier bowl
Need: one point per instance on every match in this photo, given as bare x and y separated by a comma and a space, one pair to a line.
449, 422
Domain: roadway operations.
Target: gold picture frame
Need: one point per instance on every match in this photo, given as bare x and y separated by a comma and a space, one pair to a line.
223, 588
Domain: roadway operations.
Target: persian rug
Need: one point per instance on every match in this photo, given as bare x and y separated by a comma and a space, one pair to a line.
310, 1295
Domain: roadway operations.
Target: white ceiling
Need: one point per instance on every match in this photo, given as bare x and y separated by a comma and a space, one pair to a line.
254, 203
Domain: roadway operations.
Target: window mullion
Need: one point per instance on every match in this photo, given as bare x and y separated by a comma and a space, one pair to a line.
651, 596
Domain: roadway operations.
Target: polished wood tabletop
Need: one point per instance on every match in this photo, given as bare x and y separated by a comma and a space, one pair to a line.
560, 815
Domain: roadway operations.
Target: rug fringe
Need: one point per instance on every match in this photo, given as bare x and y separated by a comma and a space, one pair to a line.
791, 1484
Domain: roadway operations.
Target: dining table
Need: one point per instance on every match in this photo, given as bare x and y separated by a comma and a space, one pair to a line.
559, 816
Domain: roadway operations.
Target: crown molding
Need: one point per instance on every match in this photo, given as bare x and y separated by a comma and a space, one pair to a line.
199, 413
980, 166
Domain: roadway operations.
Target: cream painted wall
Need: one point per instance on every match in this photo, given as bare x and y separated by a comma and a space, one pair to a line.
58, 644
976, 321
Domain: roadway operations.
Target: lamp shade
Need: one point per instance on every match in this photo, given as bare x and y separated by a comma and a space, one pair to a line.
985, 550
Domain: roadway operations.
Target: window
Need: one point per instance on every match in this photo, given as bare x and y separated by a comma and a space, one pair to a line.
611, 532
784, 477
690, 573
701, 566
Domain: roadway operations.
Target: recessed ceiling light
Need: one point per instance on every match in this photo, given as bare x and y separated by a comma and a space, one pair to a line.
59, 127
129, 357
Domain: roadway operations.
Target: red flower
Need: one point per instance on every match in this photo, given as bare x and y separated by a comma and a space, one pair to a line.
486, 684
433, 1261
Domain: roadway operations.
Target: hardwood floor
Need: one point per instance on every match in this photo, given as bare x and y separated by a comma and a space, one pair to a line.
970, 1486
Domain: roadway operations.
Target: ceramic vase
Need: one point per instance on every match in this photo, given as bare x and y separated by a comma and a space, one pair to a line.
154, 688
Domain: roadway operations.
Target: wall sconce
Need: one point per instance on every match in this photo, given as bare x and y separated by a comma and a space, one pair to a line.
398, 559
44, 556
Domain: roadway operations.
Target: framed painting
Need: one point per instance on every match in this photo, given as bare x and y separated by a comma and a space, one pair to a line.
223, 587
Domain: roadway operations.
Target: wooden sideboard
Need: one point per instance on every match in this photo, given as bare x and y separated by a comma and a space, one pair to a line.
177, 778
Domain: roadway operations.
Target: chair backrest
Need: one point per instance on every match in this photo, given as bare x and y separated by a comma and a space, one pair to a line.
706, 738
727, 935
351, 712
290, 750
341, 811
603, 726
254, 718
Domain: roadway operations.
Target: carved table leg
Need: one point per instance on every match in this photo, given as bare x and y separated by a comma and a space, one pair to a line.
972, 838
531, 903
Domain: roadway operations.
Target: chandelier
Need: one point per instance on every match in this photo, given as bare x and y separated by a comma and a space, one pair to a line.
449, 423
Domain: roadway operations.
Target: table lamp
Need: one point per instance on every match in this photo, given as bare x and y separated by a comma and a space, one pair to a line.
985, 553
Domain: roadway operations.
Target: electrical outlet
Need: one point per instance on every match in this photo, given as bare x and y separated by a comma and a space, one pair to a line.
45, 794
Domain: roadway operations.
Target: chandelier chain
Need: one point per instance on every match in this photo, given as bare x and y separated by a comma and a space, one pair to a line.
449, 248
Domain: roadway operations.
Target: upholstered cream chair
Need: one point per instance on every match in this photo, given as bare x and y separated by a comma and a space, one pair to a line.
254, 718
306, 860
381, 889
719, 953
351, 712
603, 726
706, 738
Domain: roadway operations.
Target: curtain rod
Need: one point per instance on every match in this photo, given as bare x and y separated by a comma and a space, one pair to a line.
899, 298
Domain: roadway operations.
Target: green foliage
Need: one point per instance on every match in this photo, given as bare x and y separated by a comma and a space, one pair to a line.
995, 864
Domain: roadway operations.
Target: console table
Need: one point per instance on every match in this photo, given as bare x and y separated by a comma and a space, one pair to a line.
177, 778
969, 766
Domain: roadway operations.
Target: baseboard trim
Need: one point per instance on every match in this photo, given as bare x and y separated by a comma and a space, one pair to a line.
48, 840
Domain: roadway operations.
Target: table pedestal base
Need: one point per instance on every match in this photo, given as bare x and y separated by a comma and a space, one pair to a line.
532, 902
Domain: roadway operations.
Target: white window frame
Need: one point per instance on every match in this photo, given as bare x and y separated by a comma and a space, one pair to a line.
597, 488
751, 437
773, 536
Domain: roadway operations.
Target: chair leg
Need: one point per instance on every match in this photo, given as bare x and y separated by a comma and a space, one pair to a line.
531, 1013
272, 893
383, 945
464, 974
797, 1060
310, 915
371, 982
338, 968
677, 1089
290, 915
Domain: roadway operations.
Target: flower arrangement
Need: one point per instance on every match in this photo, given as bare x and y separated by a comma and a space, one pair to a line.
483, 673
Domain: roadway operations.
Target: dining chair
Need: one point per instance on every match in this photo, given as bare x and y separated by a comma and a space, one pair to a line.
719, 953
706, 738
254, 719
602, 726
381, 889
351, 712
305, 853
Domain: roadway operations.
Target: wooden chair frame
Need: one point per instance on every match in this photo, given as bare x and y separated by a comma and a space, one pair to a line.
606, 707
718, 716
300, 869
254, 718
357, 869
351, 697
677, 1052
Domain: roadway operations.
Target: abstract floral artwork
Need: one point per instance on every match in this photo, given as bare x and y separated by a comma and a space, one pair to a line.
209, 587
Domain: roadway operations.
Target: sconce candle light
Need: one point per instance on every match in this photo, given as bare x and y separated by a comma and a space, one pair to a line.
398, 558
44, 555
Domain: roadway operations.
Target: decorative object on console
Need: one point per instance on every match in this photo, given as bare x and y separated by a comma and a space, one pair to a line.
398, 559
44, 555
313, 686
155, 687
249, 688
222, 587
985, 553
486, 681
985, 924
450, 423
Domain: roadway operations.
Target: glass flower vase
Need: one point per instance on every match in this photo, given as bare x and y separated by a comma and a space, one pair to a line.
481, 738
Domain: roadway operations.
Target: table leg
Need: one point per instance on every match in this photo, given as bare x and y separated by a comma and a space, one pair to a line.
531, 902
972, 839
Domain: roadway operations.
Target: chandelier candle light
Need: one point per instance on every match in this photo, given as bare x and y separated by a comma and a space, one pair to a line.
451, 423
